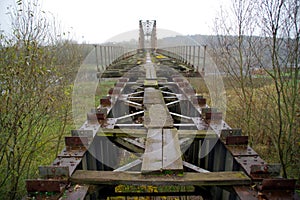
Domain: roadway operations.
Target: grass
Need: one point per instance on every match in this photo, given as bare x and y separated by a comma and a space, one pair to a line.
103, 88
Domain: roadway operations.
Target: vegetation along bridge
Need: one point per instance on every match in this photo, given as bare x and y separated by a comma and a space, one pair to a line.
153, 137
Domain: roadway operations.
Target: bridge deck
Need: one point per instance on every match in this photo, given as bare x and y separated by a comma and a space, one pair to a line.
156, 113
152, 158
162, 152
162, 149
150, 68
172, 160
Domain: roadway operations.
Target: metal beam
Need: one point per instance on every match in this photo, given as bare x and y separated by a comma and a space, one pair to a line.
130, 115
194, 167
129, 165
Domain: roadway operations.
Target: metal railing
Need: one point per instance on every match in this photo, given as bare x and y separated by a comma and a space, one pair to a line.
107, 55
191, 55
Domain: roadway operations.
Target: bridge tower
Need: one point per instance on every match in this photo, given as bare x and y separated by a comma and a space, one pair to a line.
141, 36
147, 34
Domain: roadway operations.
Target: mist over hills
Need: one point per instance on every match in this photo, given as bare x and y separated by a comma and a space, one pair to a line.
222, 45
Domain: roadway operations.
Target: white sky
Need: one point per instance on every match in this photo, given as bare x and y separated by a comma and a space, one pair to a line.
96, 21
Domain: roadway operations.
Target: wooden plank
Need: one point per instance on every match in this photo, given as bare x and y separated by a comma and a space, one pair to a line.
172, 160
157, 116
150, 69
152, 158
199, 179
122, 132
134, 132
156, 112
197, 133
153, 96
150, 72
151, 83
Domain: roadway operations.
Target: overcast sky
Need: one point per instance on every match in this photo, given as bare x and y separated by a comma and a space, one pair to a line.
96, 21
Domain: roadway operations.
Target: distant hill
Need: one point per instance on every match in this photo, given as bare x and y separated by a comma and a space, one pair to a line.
231, 43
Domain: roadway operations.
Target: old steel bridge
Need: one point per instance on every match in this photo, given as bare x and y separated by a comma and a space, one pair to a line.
180, 147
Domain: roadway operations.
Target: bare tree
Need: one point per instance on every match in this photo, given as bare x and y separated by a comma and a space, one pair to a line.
232, 52
34, 95
271, 111
280, 28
